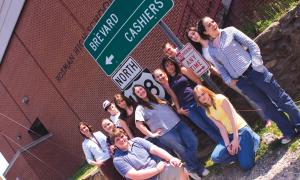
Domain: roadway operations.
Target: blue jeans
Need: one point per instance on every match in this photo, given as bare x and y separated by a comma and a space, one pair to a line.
198, 116
249, 142
183, 141
263, 90
161, 145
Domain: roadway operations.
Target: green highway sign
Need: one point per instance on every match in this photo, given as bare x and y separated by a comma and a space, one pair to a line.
122, 27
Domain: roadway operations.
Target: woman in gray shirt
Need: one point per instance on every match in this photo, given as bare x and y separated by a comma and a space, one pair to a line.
166, 125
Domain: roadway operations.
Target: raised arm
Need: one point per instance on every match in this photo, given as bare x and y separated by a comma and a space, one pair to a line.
191, 75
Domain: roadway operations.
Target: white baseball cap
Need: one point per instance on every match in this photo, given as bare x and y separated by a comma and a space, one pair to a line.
106, 105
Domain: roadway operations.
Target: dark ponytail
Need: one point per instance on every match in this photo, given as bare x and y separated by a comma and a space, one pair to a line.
201, 29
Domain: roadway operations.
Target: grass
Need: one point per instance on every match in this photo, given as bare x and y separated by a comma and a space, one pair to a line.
268, 14
83, 171
294, 146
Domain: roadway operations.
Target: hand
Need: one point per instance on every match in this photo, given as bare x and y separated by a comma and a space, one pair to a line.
182, 111
233, 82
99, 163
156, 133
229, 149
161, 166
112, 149
235, 145
175, 162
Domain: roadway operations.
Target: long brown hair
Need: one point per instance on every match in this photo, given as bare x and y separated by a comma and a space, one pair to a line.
211, 94
165, 60
201, 29
129, 102
87, 125
196, 45
150, 96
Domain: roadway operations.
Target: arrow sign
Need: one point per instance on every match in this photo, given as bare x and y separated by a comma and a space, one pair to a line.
109, 59
122, 27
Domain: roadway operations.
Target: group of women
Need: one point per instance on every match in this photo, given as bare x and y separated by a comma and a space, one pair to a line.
159, 121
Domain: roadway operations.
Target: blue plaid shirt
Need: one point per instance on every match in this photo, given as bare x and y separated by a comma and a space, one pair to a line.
234, 55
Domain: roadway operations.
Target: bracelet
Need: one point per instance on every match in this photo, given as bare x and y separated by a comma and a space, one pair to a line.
228, 145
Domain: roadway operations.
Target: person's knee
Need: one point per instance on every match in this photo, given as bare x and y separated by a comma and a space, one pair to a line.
247, 165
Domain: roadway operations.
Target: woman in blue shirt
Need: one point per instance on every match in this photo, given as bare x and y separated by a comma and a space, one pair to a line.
96, 151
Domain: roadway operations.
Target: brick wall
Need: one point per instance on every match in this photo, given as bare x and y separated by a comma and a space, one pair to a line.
46, 62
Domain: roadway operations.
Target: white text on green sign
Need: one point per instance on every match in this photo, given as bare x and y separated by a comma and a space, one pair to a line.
121, 28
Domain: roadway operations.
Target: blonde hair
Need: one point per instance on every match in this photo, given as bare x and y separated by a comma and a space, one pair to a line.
210, 93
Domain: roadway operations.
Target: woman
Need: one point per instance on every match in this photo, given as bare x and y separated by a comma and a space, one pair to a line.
96, 151
107, 125
240, 63
202, 46
166, 125
239, 141
182, 81
127, 121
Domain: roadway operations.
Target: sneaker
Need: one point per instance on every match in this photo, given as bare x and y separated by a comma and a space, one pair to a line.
285, 140
194, 175
205, 172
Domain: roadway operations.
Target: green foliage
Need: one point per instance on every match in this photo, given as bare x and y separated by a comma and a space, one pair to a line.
268, 14
83, 171
294, 146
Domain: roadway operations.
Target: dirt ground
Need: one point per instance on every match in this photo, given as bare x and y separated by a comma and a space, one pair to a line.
278, 164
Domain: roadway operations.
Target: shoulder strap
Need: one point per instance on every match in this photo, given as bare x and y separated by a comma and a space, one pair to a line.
97, 142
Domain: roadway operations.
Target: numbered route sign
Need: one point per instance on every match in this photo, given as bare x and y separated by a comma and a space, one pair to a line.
146, 79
